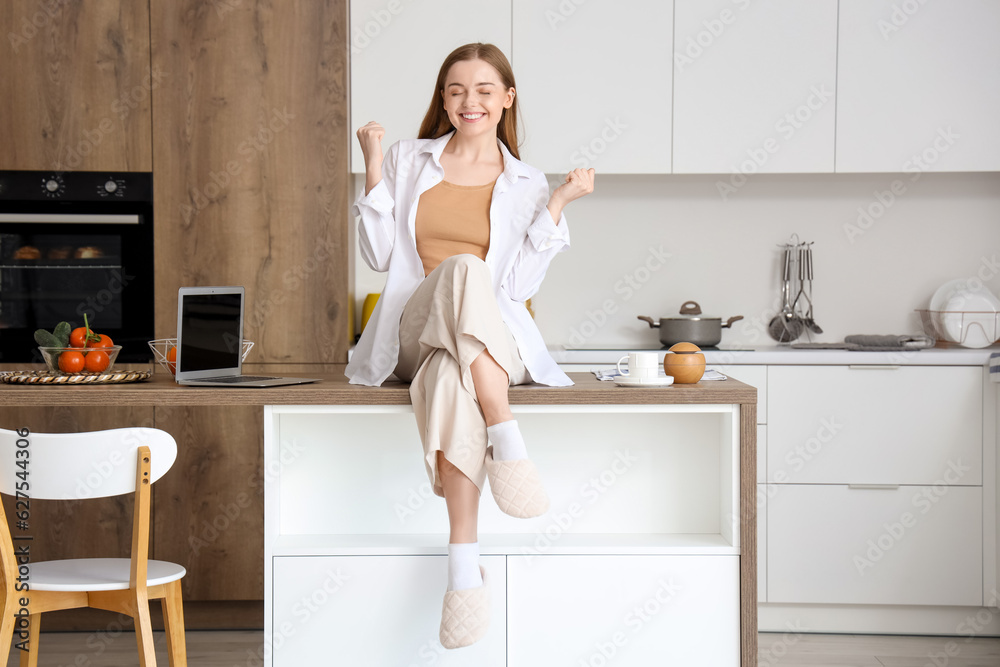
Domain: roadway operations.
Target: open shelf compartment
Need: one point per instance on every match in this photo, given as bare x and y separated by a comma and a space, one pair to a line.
623, 479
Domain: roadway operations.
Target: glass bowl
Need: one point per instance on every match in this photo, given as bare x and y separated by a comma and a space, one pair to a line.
161, 350
52, 354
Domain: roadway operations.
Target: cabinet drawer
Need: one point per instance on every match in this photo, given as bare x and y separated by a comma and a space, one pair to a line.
628, 611
376, 611
843, 425
907, 546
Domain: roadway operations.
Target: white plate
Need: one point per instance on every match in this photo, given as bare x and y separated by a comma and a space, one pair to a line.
664, 381
959, 293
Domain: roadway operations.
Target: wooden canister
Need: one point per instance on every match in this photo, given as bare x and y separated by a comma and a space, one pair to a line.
685, 363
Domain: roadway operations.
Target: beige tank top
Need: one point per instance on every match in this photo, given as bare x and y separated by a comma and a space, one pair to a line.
451, 220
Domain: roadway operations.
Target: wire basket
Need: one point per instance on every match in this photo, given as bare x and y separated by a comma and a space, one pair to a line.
969, 328
161, 348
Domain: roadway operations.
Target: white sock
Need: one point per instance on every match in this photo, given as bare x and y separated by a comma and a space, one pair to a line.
463, 566
508, 445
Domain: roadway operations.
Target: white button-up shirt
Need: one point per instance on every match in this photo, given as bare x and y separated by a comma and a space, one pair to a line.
523, 240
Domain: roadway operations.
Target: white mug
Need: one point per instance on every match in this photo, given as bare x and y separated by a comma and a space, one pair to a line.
641, 365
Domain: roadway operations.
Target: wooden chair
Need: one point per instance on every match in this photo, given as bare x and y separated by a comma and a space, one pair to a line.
82, 466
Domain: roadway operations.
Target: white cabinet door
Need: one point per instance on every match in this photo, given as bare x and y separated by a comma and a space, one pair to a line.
631, 611
917, 545
918, 86
754, 86
594, 84
872, 425
376, 611
397, 48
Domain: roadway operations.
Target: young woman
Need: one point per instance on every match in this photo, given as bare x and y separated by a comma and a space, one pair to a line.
466, 232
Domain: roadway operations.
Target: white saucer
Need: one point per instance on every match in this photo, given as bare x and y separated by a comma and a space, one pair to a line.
662, 381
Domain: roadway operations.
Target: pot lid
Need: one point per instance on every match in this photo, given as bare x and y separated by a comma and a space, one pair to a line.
690, 310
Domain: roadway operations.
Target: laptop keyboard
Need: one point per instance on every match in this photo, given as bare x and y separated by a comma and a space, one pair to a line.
233, 379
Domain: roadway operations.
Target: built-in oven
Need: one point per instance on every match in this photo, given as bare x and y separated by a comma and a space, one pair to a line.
76, 243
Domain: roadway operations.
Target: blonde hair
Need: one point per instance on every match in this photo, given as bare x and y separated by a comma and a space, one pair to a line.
436, 122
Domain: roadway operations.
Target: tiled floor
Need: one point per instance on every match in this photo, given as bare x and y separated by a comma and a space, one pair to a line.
243, 648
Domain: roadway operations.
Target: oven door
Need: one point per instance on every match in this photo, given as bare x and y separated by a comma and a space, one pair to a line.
62, 266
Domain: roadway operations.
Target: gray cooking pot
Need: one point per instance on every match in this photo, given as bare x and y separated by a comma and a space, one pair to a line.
691, 327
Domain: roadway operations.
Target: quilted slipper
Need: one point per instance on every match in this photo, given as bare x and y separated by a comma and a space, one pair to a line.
465, 616
517, 487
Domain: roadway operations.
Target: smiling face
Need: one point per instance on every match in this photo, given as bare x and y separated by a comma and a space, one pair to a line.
475, 97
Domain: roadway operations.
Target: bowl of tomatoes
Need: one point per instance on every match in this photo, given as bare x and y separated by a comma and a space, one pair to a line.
69, 351
74, 360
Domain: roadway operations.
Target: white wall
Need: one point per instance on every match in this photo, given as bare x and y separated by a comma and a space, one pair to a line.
725, 254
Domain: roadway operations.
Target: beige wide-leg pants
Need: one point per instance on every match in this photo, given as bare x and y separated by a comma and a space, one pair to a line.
448, 321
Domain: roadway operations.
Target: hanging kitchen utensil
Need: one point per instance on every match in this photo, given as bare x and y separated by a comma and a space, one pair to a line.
810, 322
800, 264
784, 327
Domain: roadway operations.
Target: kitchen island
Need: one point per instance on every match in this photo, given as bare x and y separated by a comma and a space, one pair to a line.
613, 568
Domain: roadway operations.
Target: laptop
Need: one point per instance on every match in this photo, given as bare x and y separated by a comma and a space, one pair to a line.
210, 340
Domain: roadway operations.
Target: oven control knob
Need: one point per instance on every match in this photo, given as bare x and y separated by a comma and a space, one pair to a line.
52, 185
110, 187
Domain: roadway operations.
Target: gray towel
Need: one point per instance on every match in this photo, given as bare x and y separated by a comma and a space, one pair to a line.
890, 342
873, 343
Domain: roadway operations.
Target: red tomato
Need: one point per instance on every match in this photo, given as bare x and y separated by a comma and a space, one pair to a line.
78, 337
97, 362
71, 361
102, 341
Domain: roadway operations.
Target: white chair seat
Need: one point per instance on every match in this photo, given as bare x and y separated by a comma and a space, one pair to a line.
97, 574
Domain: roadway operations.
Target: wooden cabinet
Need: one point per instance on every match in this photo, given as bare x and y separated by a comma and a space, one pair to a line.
754, 86
397, 48
917, 86
77, 84
250, 168
207, 510
213, 499
595, 85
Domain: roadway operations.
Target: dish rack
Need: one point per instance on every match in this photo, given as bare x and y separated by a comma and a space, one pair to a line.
971, 328
161, 347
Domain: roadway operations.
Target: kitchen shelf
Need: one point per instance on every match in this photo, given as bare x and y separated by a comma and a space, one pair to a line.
517, 544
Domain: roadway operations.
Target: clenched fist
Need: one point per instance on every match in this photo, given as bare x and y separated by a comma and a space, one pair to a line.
370, 137
579, 182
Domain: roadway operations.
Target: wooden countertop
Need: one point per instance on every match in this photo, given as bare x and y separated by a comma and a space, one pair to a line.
334, 389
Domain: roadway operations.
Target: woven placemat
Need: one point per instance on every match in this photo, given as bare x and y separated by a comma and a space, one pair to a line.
48, 377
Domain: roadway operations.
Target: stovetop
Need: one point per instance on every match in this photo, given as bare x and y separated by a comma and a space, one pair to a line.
622, 347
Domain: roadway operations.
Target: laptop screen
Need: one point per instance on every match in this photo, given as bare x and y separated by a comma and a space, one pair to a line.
209, 328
